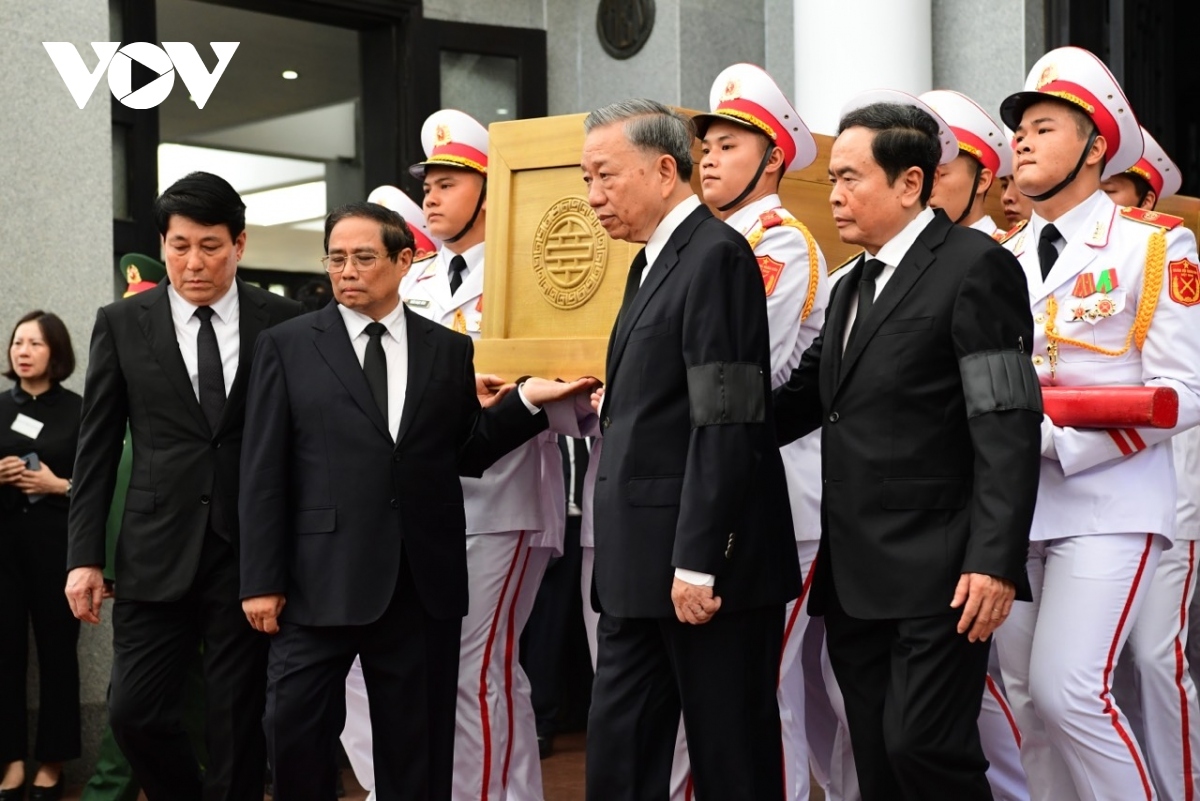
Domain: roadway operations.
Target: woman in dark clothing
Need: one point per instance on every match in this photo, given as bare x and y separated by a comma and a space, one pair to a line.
39, 426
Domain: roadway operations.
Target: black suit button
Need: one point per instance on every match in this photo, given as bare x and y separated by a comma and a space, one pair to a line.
204, 499
396, 458
217, 445
833, 417
607, 422
395, 504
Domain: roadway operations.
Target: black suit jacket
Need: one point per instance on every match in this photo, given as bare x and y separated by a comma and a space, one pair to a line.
136, 374
921, 486
328, 499
676, 486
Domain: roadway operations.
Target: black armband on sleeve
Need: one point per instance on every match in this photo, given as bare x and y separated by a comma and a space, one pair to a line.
997, 380
726, 392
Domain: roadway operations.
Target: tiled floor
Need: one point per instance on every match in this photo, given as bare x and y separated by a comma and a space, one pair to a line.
562, 774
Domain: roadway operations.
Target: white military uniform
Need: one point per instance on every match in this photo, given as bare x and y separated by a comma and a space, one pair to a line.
1118, 307
987, 225
1106, 501
1152, 682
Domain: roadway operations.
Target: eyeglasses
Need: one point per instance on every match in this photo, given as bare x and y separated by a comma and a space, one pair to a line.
362, 261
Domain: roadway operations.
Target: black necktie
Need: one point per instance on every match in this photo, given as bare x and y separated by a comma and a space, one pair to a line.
1047, 252
210, 373
458, 266
633, 283
866, 296
375, 367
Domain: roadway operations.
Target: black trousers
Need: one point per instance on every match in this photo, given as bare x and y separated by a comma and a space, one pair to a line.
33, 553
153, 646
545, 637
410, 664
723, 675
912, 690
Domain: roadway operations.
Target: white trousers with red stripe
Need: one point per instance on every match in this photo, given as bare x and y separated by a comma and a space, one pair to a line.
494, 724
525, 770
591, 618
1153, 684
791, 695
1057, 656
831, 757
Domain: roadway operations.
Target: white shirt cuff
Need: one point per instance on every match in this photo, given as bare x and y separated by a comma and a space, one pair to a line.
532, 409
695, 577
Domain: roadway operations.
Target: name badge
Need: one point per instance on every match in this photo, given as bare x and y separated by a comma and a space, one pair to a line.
27, 426
417, 303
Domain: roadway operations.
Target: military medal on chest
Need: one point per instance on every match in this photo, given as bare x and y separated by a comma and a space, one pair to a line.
1095, 297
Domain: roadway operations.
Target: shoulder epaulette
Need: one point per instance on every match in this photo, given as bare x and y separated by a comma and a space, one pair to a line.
428, 266
770, 218
1011, 232
1155, 218
846, 263
425, 258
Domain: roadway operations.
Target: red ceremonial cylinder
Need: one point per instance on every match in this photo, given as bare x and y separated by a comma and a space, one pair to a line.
1111, 407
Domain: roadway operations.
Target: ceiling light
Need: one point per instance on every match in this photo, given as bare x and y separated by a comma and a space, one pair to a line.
290, 75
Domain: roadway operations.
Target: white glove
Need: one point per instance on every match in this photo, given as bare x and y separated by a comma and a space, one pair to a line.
1048, 450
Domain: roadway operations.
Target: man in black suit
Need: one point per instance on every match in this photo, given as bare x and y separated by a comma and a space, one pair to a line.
173, 363
365, 416
930, 415
695, 553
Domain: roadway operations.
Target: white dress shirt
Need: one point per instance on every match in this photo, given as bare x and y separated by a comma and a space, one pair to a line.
395, 350
225, 321
658, 239
891, 254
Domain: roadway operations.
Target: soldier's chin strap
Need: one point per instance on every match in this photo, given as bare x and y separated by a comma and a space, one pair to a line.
1061, 185
971, 197
471, 223
762, 165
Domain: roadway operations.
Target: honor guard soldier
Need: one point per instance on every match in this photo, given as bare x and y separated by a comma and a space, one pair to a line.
984, 157
1153, 684
1114, 294
751, 136
509, 541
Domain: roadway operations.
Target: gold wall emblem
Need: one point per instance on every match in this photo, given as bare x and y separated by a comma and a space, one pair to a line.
570, 252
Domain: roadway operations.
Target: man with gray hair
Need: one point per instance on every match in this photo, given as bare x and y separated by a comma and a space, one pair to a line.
695, 554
